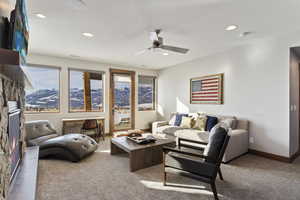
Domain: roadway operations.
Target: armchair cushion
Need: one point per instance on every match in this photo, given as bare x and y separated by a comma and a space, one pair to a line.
193, 165
215, 143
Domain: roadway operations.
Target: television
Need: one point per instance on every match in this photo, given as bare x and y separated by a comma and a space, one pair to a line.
19, 29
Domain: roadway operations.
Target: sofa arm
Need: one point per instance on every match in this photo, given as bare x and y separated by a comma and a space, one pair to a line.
238, 144
157, 124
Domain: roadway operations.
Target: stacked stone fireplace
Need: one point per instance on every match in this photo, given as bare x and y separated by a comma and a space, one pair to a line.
10, 90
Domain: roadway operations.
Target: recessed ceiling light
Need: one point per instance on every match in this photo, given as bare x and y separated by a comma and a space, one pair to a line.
88, 35
231, 27
39, 15
165, 54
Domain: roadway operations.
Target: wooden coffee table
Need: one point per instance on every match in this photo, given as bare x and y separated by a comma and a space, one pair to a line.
140, 156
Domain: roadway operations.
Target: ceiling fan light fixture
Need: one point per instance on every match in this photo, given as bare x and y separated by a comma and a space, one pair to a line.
231, 27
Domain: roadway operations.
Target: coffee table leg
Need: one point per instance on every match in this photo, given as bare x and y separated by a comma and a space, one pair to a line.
114, 149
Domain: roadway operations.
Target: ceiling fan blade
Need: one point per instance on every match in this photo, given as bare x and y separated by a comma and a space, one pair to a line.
175, 49
153, 36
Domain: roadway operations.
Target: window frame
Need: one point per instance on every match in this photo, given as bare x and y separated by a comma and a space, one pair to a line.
59, 89
103, 90
154, 92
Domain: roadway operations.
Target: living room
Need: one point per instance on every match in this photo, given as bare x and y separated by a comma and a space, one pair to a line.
132, 99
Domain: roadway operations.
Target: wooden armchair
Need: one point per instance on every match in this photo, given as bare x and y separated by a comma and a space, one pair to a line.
91, 128
204, 166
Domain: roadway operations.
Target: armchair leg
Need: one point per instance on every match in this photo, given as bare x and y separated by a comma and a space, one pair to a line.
214, 189
164, 169
165, 179
220, 174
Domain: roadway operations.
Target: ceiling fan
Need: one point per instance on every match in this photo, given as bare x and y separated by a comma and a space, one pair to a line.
158, 44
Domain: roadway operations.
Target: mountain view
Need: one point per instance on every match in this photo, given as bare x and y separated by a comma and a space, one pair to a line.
46, 100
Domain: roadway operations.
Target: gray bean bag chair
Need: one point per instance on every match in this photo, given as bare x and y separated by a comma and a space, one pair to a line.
73, 147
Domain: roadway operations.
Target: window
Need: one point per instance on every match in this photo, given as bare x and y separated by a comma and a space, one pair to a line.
44, 97
85, 91
146, 93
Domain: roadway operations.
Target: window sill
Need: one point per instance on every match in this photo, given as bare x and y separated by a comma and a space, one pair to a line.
98, 111
38, 113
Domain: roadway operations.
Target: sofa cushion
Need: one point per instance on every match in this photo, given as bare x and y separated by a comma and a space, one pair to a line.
193, 134
179, 118
211, 122
186, 122
172, 130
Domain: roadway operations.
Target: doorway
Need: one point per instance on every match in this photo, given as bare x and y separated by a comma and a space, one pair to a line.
122, 100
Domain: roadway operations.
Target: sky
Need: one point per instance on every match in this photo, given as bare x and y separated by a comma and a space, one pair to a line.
48, 78
43, 78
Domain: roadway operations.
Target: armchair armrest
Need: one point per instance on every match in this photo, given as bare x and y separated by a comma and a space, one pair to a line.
167, 149
189, 145
191, 141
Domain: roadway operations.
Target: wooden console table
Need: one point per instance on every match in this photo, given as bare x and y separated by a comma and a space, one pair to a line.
74, 125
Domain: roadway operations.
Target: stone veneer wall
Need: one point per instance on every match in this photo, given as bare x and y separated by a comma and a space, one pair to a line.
9, 91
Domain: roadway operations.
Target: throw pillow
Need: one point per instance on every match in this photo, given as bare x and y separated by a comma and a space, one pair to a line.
231, 122
211, 122
179, 118
200, 123
186, 122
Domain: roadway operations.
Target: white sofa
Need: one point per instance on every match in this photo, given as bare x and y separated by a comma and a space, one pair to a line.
237, 146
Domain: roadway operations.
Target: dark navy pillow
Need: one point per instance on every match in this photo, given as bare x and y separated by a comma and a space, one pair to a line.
179, 119
211, 122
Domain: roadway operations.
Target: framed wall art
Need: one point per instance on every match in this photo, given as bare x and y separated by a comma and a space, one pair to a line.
207, 89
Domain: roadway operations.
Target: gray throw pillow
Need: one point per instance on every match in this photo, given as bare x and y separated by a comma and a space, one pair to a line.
231, 122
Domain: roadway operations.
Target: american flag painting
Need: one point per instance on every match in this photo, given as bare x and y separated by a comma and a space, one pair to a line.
207, 90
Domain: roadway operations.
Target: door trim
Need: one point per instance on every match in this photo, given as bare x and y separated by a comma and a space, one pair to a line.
111, 97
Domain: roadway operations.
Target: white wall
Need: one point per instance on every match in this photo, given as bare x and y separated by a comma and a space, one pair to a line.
256, 87
6, 6
294, 102
142, 117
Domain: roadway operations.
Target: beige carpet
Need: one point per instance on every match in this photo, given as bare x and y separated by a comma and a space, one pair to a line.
105, 177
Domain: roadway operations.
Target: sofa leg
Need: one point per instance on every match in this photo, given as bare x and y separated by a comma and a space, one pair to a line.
214, 189
220, 174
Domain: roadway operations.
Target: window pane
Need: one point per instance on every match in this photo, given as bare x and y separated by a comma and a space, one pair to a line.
44, 97
76, 93
146, 90
89, 100
96, 95
122, 102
